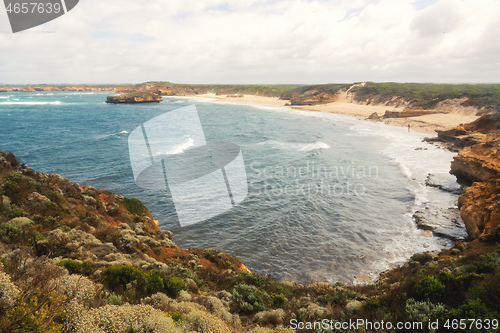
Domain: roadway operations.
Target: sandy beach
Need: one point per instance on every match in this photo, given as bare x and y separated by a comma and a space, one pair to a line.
427, 124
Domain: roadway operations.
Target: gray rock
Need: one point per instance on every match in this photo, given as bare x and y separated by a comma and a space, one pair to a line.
443, 223
444, 181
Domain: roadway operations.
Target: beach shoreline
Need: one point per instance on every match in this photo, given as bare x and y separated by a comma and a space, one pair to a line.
427, 124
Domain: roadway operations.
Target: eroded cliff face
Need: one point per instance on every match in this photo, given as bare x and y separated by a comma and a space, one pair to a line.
486, 129
480, 208
477, 163
477, 168
315, 97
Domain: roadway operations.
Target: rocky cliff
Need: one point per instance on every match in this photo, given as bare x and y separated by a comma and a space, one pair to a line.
134, 98
477, 163
480, 208
477, 168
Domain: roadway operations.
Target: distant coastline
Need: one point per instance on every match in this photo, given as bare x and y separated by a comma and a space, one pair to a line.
434, 107
427, 124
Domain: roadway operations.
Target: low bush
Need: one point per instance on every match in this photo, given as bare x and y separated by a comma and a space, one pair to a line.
75, 267
473, 309
116, 278
430, 288
134, 206
18, 187
11, 233
423, 311
11, 211
249, 299
12, 159
199, 321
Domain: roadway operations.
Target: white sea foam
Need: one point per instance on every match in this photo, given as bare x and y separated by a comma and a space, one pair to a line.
297, 145
179, 149
192, 98
416, 160
31, 103
113, 134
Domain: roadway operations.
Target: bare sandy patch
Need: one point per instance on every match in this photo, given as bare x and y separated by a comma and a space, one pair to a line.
247, 99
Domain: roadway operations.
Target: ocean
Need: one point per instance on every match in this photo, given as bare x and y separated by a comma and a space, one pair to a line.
330, 197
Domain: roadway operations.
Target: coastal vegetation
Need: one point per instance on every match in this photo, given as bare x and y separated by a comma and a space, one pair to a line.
421, 96
428, 95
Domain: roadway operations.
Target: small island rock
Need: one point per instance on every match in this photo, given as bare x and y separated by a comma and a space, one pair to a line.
133, 98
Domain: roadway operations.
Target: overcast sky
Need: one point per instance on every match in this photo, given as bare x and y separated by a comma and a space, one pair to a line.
258, 41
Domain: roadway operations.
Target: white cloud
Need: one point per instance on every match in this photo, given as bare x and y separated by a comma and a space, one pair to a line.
258, 41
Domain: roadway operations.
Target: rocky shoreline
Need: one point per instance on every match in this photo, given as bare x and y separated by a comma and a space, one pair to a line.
477, 168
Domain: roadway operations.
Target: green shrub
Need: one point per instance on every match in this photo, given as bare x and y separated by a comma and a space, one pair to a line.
473, 309
90, 219
176, 317
430, 288
12, 211
74, 267
279, 299
251, 279
173, 286
373, 304
249, 299
116, 278
134, 206
12, 159
48, 222
16, 187
423, 311
11, 233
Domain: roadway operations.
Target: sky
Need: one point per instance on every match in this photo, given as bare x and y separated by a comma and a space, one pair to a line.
258, 42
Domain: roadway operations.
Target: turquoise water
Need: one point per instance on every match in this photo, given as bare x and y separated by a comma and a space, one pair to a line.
330, 197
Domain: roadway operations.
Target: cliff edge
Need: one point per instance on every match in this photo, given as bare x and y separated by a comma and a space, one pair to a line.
477, 168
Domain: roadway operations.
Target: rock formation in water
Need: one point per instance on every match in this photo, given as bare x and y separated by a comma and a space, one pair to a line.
134, 98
